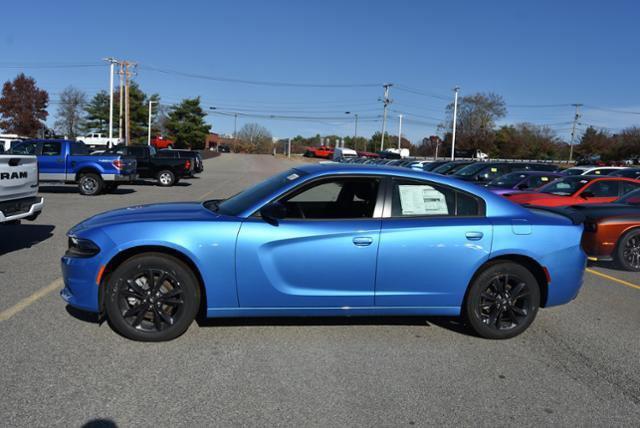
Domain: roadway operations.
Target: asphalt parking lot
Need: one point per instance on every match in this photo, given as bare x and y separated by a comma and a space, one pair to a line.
577, 365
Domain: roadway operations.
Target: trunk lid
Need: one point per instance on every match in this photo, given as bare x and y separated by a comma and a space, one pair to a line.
18, 176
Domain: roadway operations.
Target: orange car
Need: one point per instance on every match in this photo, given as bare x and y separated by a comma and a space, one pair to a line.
612, 231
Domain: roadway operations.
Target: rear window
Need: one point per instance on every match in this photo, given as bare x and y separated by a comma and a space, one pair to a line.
79, 149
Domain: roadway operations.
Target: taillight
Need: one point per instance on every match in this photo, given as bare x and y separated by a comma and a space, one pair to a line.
187, 164
118, 164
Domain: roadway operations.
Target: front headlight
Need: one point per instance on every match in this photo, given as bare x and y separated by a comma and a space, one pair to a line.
79, 247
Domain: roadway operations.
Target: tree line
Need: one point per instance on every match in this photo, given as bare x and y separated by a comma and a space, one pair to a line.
23, 111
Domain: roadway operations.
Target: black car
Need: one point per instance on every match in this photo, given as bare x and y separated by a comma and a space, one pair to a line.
195, 157
452, 167
166, 170
223, 148
628, 172
433, 165
483, 172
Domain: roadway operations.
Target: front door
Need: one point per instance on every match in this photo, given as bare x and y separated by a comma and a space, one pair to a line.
51, 161
433, 239
322, 255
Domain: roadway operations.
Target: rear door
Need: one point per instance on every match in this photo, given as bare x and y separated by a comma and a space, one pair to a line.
433, 238
52, 161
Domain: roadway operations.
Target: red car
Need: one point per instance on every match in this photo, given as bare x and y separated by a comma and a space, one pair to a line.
162, 143
319, 152
579, 189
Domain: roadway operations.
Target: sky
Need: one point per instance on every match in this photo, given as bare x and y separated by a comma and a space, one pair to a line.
296, 67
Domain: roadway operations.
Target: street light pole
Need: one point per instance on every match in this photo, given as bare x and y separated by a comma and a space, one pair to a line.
149, 133
112, 63
400, 132
455, 119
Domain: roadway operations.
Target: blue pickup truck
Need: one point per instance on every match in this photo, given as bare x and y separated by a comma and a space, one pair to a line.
70, 162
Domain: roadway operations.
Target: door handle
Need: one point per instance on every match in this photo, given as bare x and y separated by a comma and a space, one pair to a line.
362, 241
474, 236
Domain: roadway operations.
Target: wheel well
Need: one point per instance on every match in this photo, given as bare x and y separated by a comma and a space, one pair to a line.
533, 266
84, 171
119, 258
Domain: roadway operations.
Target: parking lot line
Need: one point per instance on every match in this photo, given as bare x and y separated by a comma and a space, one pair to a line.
205, 195
613, 278
28, 301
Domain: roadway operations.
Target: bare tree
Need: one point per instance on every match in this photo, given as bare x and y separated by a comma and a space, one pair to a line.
255, 138
70, 112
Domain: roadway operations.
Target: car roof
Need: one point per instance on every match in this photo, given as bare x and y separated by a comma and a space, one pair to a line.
604, 177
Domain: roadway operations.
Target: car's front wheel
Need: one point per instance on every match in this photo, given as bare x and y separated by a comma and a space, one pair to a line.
502, 301
628, 251
152, 297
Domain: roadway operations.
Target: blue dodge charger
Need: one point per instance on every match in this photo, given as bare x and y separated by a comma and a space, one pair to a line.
326, 240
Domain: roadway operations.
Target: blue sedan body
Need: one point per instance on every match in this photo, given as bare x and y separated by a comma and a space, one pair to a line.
364, 266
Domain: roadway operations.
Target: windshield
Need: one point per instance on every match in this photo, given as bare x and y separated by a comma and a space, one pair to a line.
565, 186
472, 169
249, 197
507, 181
444, 168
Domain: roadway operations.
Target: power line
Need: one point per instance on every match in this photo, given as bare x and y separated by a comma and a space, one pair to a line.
420, 92
612, 110
259, 82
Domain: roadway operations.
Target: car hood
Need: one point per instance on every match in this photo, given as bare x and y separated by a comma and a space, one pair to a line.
180, 211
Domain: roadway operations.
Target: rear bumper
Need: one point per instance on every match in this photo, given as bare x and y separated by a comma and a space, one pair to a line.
123, 178
20, 208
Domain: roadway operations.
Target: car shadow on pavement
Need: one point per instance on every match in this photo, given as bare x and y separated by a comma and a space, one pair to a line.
607, 265
19, 236
449, 323
74, 189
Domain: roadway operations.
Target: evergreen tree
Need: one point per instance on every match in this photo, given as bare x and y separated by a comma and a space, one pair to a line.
186, 124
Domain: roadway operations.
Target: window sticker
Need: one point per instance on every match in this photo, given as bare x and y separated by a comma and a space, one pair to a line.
292, 177
544, 178
494, 169
420, 200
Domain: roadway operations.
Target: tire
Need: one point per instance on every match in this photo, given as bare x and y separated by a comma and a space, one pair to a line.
627, 255
90, 184
136, 312
166, 178
490, 308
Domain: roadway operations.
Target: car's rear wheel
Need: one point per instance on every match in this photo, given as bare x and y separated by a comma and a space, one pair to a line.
502, 301
166, 178
628, 251
90, 184
152, 297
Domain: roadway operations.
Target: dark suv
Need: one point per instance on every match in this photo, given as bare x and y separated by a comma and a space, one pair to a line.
483, 172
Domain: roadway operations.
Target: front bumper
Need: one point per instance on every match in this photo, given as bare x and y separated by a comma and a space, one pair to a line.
20, 208
80, 282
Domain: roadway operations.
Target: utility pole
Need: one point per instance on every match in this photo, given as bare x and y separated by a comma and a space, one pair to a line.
400, 132
121, 75
455, 120
386, 101
112, 62
289, 148
573, 130
127, 104
149, 134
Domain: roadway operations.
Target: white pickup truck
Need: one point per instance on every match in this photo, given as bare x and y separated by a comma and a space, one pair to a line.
19, 188
98, 141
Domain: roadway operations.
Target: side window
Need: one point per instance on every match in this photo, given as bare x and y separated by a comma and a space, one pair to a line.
412, 198
334, 198
51, 148
79, 149
26, 148
604, 189
629, 187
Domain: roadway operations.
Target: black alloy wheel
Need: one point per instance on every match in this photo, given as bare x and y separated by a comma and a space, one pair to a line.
503, 301
152, 297
628, 251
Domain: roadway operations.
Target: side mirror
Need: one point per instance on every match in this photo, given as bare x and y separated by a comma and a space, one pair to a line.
273, 212
586, 195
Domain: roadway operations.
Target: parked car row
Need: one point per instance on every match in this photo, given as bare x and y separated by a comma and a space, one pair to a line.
72, 162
